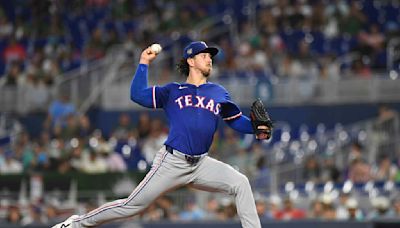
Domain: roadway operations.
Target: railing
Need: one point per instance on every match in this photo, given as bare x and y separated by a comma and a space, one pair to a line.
288, 92
378, 140
393, 50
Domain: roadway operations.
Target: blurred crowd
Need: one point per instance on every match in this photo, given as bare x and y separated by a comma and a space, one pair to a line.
41, 40
70, 143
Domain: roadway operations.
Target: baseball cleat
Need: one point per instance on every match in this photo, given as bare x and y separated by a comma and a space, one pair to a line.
67, 223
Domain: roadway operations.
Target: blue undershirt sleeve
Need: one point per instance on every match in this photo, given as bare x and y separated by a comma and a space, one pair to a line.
140, 92
241, 124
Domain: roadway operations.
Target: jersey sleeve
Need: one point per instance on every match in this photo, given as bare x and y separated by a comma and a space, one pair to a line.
229, 110
141, 93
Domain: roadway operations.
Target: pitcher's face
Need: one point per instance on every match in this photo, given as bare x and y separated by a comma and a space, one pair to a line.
203, 63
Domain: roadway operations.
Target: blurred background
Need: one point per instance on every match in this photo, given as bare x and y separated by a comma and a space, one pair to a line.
328, 71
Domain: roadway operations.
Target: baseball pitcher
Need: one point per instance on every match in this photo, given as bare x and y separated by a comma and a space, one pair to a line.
193, 109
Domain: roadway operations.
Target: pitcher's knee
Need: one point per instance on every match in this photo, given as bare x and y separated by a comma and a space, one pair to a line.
242, 182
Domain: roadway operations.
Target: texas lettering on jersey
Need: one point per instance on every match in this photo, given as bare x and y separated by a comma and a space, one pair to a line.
198, 102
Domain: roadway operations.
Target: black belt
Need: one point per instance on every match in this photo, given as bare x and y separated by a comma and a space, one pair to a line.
189, 158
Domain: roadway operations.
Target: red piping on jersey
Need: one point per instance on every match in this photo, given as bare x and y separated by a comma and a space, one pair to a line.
233, 117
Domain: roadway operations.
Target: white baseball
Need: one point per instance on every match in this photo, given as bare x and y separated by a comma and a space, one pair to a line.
156, 48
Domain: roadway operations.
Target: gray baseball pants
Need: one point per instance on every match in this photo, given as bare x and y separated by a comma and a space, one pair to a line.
172, 170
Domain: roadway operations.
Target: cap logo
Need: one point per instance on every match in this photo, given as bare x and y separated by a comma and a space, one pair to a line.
189, 51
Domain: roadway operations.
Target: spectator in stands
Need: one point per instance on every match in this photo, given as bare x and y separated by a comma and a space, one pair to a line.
57, 151
329, 212
115, 162
354, 213
372, 41
262, 209
152, 213
395, 210
76, 158
13, 77
385, 170
143, 126
170, 211
311, 170
229, 211
245, 58
266, 22
27, 155
329, 67
154, 141
262, 176
360, 69
229, 146
10, 164
96, 47
330, 171
289, 211
64, 166
34, 215
93, 163
192, 211
240, 160
14, 215
328, 208
257, 160
274, 205
41, 160
356, 152
341, 208
123, 128
316, 209
75, 126
387, 130
37, 94
50, 214
352, 22
381, 209
85, 128
14, 52
211, 210
70, 129
359, 171
58, 111
2, 155
6, 26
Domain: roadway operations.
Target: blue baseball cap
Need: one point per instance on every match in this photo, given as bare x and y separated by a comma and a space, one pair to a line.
197, 47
